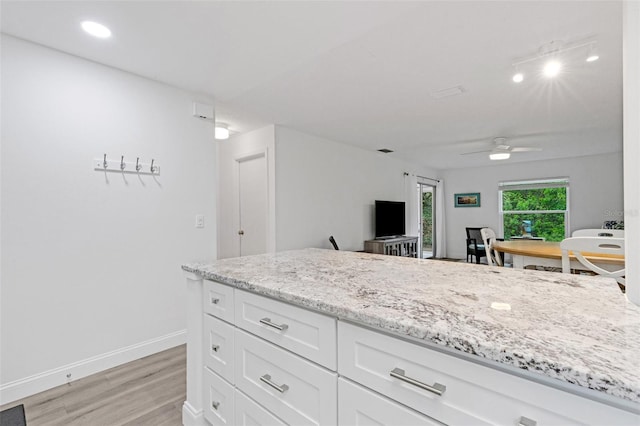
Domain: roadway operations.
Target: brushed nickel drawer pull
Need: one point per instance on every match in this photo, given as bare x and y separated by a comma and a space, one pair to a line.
267, 321
215, 348
437, 388
215, 405
215, 301
524, 421
267, 379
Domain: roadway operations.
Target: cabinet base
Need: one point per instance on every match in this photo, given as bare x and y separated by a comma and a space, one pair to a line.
191, 416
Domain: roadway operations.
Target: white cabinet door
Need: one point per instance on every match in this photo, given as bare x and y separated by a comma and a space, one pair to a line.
359, 407
218, 347
294, 389
249, 413
218, 400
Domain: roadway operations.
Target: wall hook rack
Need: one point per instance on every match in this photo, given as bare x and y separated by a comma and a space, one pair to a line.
122, 166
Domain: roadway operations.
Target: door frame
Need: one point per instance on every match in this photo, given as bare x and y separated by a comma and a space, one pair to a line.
433, 187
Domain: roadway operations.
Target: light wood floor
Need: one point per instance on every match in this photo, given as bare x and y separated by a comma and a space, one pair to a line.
148, 391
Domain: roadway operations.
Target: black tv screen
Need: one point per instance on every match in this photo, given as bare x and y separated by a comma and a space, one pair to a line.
389, 218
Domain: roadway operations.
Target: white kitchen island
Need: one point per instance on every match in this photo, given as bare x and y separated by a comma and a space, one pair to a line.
331, 337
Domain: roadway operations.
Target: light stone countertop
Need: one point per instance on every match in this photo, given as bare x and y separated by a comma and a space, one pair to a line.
577, 329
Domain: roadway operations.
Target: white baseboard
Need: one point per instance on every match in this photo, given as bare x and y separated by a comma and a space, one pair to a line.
31, 385
192, 417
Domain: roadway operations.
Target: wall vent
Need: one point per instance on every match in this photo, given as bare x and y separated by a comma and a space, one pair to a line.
449, 91
385, 150
203, 111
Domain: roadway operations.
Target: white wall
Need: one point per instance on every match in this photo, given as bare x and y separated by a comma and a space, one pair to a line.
91, 261
327, 188
596, 193
631, 51
228, 151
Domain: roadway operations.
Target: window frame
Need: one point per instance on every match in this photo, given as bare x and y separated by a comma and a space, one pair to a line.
559, 182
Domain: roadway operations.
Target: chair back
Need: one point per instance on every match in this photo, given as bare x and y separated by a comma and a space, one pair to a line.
333, 242
474, 234
488, 238
595, 245
611, 233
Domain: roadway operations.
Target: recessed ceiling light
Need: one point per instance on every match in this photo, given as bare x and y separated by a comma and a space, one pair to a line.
552, 68
96, 30
518, 77
221, 131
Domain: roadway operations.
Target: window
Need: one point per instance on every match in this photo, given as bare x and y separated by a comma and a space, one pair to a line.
535, 208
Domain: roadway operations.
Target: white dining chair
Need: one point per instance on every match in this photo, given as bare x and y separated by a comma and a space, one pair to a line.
611, 233
596, 245
488, 238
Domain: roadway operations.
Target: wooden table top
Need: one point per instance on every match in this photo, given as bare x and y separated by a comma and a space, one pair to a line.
550, 250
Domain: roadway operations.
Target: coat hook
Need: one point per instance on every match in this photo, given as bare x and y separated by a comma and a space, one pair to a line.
153, 169
138, 165
104, 162
122, 165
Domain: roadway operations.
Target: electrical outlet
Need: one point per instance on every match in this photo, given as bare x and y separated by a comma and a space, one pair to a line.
199, 221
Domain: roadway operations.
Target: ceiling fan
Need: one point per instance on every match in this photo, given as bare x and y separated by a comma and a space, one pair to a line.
502, 151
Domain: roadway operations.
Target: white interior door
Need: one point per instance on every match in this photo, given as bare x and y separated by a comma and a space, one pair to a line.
252, 187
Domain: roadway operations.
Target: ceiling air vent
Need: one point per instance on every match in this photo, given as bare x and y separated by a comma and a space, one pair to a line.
385, 150
445, 93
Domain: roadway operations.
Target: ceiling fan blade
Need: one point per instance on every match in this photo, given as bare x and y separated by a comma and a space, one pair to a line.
525, 149
476, 152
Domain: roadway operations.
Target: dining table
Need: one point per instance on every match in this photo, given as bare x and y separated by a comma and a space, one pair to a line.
548, 254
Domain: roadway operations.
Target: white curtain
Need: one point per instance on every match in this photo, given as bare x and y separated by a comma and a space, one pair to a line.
440, 247
412, 213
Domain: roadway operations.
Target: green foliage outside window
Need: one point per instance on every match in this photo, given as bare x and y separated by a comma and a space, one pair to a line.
427, 220
551, 226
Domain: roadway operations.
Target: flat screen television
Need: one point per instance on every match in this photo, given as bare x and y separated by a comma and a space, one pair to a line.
389, 218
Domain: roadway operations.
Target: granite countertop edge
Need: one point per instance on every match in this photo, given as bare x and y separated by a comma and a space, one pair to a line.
503, 356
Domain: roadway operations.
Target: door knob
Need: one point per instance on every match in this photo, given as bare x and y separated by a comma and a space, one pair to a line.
241, 232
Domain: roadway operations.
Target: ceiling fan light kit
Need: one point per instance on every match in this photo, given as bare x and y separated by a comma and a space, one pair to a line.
553, 52
499, 156
502, 151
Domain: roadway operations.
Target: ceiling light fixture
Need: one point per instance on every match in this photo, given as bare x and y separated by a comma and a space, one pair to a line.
552, 68
499, 156
553, 52
96, 29
593, 54
221, 131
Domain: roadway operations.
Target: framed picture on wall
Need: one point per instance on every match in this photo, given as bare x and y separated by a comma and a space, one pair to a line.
470, 199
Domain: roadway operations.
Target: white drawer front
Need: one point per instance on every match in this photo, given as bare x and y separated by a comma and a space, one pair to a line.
359, 406
306, 333
474, 394
294, 389
218, 347
218, 300
248, 413
218, 400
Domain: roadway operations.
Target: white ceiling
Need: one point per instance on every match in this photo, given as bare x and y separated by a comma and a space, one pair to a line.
362, 72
